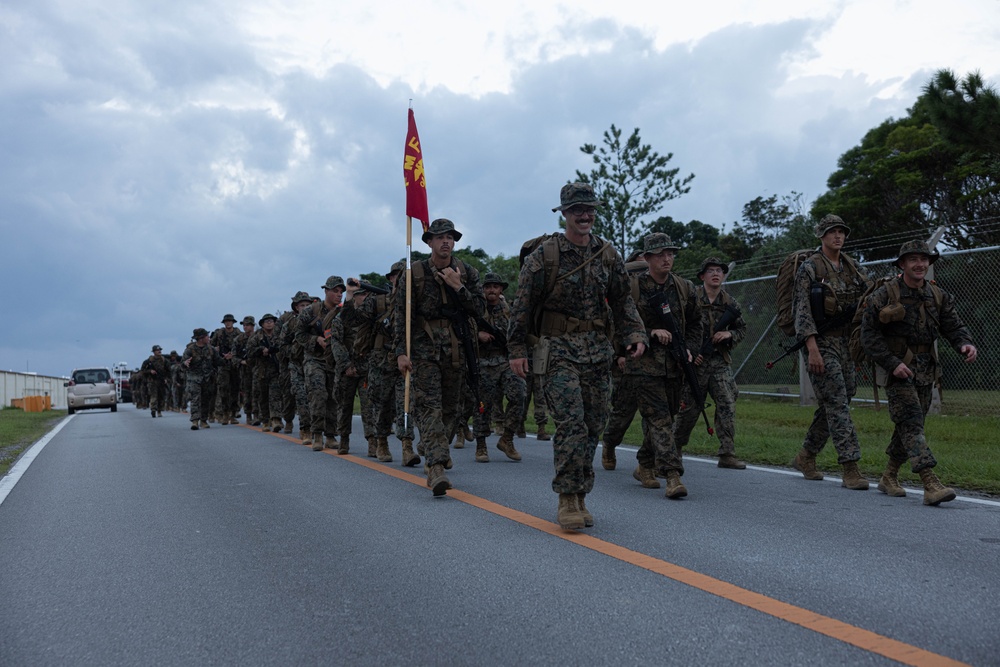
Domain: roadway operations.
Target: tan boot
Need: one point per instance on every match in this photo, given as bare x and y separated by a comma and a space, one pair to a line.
288, 427
889, 484
372, 447
345, 445
467, 433
935, 492
730, 461
805, 462
608, 458
568, 514
521, 433
543, 435
482, 455
234, 420
306, 439
506, 445
437, 481
382, 452
317, 441
203, 424
588, 518
852, 477
675, 489
646, 477
409, 459
276, 426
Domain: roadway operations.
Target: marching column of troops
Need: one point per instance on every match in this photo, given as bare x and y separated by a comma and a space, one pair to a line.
588, 341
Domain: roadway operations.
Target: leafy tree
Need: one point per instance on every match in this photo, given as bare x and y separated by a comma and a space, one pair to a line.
966, 112
764, 221
635, 182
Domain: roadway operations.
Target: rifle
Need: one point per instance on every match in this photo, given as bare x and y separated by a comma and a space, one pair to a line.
374, 289
833, 323
729, 316
664, 318
460, 320
499, 336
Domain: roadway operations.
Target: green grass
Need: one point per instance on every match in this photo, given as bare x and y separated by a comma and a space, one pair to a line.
20, 429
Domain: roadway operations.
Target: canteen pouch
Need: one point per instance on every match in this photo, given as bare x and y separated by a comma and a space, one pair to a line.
892, 313
540, 356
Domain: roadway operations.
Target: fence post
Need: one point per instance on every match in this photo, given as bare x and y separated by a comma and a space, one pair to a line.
935, 407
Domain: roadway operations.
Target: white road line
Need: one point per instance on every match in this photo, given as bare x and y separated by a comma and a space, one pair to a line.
8, 481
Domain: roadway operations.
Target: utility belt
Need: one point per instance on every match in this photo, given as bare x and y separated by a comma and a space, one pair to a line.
557, 324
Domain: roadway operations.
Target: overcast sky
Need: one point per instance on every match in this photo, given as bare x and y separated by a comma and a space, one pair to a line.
166, 163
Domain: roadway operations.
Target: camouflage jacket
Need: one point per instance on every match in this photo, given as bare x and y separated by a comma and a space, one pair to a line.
585, 296
342, 334
373, 338
911, 339
256, 345
491, 353
225, 342
432, 335
712, 313
657, 361
309, 327
204, 360
845, 286
158, 364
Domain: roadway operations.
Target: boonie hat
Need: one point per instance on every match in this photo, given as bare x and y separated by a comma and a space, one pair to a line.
268, 316
441, 226
916, 248
712, 261
396, 267
249, 320
493, 278
333, 282
198, 333
828, 222
301, 296
157, 347
572, 194
228, 318
657, 242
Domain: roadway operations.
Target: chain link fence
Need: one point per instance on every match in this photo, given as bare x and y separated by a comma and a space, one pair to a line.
973, 276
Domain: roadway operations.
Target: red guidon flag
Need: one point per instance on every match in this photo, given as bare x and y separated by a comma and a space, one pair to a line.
413, 176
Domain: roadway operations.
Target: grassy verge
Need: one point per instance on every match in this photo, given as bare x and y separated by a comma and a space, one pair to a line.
770, 432
19, 429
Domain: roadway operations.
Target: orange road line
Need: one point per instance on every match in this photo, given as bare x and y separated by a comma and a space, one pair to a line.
902, 652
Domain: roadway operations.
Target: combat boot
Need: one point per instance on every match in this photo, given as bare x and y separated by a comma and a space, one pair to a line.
889, 484
159, 413
521, 433
372, 447
153, 413
467, 433
568, 514
608, 458
588, 518
730, 461
675, 489
409, 458
345, 445
437, 481
935, 492
288, 426
482, 456
852, 477
203, 424
646, 477
317, 441
382, 452
506, 445
234, 420
276, 426
805, 462
306, 439
543, 435
194, 426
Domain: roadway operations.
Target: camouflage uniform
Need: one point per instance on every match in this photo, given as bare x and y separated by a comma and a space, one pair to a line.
200, 362
262, 355
910, 340
437, 356
227, 379
157, 372
715, 376
578, 375
245, 372
496, 379
352, 371
837, 385
292, 351
317, 364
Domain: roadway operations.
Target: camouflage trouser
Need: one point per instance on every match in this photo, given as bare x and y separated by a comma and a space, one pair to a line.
347, 388
157, 394
657, 401
715, 379
246, 390
320, 385
404, 427
267, 385
436, 391
227, 390
534, 389
577, 398
209, 393
497, 382
624, 405
287, 395
370, 411
297, 381
195, 389
834, 390
908, 403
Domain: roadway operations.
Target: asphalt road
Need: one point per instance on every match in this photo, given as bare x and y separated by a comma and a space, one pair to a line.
134, 541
